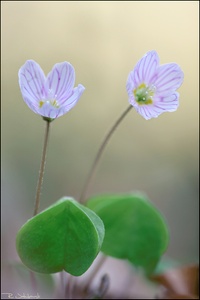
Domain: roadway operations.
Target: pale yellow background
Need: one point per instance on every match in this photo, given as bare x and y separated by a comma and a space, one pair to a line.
103, 41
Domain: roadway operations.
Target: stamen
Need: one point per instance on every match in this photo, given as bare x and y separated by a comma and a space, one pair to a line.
53, 102
41, 104
144, 94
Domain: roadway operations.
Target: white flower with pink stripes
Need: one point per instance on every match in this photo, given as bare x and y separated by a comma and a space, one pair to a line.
51, 96
152, 87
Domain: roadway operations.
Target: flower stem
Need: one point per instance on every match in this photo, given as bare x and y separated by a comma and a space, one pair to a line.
94, 272
33, 281
42, 166
99, 153
69, 288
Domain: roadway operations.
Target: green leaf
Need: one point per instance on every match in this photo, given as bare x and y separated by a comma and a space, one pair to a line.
66, 236
134, 229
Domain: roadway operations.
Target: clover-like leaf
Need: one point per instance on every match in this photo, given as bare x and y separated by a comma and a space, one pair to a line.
134, 229
66, 236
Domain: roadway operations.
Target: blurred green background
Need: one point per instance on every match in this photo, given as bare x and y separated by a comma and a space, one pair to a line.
103, 41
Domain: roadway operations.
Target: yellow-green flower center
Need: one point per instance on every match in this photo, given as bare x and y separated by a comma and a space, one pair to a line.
144, 94
52, 102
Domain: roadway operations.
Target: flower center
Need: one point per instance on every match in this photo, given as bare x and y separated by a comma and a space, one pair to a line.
144, 94
52, 102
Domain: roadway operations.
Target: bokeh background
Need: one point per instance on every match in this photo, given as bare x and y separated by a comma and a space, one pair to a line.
103, 41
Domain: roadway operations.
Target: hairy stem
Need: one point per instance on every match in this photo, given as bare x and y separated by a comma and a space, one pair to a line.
99, 153
42, 166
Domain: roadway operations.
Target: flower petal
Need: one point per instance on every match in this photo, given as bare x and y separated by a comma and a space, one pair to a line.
71, 102
169, 103
32, 82
32, 104
168, 79
143, 71
160, 105
145, 112
61, 81
50, 111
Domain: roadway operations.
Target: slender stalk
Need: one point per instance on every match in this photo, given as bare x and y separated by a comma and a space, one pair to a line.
33, 282
99, 153
69, 288
94, 272
63, 283
38, 191
42, 166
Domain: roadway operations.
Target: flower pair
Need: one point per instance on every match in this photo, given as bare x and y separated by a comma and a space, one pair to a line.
151, 87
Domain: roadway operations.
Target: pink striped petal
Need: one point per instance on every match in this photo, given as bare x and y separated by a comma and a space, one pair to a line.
61, 81
49, 111
32, 82
71, 102
145, 69
149, 112
31, 104
169, 103
168, 79
165, 104
130, 86
146, 112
